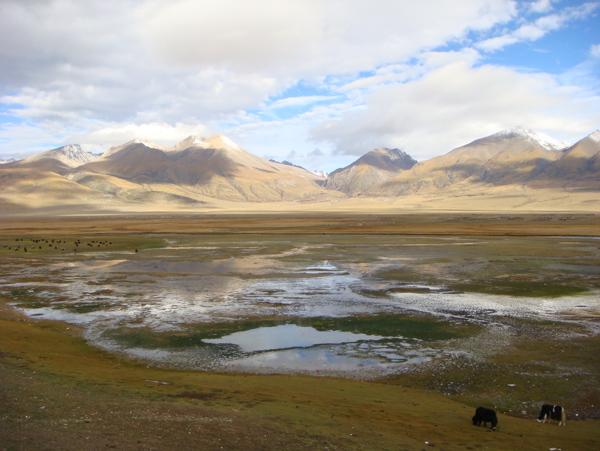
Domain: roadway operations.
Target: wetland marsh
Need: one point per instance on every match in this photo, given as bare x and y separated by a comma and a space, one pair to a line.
237, 319
355, 306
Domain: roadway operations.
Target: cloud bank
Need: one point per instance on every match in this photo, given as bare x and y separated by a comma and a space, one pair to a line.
337, 76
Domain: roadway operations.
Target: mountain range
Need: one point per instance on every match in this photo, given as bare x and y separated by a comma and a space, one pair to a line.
519, 164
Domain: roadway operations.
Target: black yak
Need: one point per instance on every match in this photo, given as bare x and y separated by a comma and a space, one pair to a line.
485, 416
552, 412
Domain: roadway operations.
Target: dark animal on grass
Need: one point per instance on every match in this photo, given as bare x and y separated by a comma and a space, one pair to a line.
485, 416
552, 412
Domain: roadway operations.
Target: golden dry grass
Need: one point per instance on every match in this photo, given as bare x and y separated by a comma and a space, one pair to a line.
525, 224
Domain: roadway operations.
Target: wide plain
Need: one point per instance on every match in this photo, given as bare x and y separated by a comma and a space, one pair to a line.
57, 392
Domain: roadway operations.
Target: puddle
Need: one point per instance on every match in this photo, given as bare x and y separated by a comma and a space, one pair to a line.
325, 361
289, 336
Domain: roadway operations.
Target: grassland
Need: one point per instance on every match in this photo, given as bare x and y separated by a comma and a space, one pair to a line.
57, 392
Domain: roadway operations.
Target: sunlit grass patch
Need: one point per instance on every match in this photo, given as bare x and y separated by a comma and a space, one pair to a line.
519, 286
421, 327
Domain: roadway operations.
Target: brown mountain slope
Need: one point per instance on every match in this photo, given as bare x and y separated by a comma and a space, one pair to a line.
60, 160
513, 167
376, 166
507, 157
579, 167
511, 170
32, 188
216, 167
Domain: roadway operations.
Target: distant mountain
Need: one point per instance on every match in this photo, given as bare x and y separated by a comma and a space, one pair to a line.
578, 167
10, 160
376, 166
58, 160
321, 175
507, 157
216, 167
511, 169
286, 162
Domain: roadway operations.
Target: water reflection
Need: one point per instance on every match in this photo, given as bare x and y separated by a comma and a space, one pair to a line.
327, 361
334, 360
298, 349
288, 336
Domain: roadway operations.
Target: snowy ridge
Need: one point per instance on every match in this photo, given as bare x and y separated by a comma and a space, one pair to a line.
228, 142
145, 143
595, 136
72, 155
216, 142
541, 138
190, 141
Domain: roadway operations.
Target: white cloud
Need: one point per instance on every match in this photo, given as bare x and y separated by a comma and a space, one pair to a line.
497, 43
157, 133
309, 38
540, 27
398, 73
71, 65
540, 6
43, 41
32, 138
595, 51
455, 104
102, 72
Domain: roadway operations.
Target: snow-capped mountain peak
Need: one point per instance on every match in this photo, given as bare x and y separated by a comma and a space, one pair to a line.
71, 151
73, 155
595, 136
190, 141
222, 141
542, 139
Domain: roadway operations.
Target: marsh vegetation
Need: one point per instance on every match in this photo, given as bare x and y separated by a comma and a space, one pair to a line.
368, 307
447, 321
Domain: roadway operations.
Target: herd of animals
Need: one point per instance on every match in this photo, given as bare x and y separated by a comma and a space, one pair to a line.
52, 243
547, 413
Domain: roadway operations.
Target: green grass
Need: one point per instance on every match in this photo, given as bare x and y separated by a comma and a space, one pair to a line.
421, 327
406, 326
521, 288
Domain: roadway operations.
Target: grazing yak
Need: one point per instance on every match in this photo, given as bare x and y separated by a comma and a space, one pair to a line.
552, 412
485, 416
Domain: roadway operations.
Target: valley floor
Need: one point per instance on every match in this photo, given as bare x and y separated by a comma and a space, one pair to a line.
412, 222
57, 392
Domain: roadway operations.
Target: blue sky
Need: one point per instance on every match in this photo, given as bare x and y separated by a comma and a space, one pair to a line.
315, 82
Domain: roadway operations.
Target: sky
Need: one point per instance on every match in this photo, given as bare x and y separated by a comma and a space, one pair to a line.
315, 82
